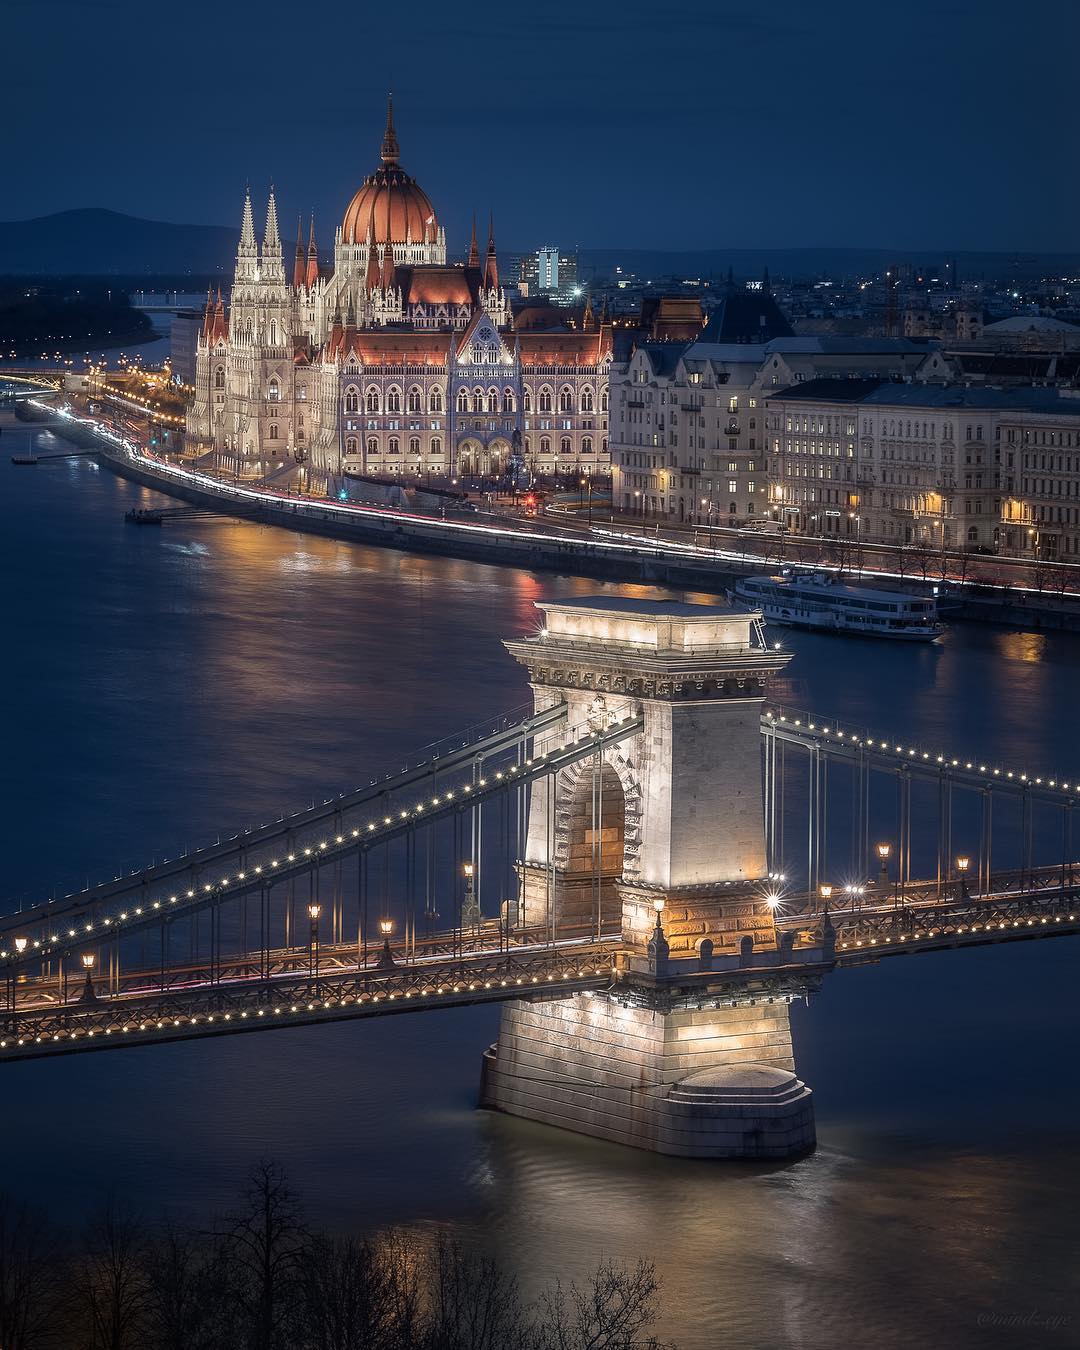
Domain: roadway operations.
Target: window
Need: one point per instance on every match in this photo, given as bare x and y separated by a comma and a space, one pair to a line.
414, 399
219, 378
463, 400
545, 445
732, 485
273, 431
586, 400
603, 399
566, 400
393, 446
493, 401
372, 445
586, 445
373, 400
435, 400
350, 446
352, 400
393, 400
526, 400
414, 446
564, 446
545, 400
436, 446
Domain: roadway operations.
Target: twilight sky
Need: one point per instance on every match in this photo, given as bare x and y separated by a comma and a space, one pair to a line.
686, 124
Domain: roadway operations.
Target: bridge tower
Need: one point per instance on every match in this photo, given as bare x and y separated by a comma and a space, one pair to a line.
661, 836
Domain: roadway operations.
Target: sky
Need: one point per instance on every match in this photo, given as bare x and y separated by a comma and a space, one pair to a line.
606, 123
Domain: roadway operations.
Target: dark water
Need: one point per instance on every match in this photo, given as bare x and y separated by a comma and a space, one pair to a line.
161, 684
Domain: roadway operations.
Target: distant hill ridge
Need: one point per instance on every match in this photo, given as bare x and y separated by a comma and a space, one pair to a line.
95, 242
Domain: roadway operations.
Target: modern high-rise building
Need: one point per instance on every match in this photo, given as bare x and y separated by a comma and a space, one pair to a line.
552, 273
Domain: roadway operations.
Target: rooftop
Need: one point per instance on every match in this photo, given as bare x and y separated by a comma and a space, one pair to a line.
887, 394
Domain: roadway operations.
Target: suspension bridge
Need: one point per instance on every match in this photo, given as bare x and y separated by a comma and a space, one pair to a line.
645, 868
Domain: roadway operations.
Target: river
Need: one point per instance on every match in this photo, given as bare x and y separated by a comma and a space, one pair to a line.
160, 685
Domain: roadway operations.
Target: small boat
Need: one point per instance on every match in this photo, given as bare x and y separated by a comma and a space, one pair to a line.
821, 602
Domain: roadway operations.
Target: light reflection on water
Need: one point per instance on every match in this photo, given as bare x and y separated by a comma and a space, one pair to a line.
163, 684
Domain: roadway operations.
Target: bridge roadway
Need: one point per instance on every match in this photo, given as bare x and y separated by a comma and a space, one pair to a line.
51, 1014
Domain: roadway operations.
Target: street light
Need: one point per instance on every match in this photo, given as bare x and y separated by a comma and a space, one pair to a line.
386, 959
470, 908
20, 945
883, 851
88, 994
962, 864
825, 892
314, 910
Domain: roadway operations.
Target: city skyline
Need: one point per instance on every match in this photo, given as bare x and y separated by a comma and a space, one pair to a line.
587, 103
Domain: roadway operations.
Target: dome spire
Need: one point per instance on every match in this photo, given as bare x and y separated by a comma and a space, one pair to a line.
390, 151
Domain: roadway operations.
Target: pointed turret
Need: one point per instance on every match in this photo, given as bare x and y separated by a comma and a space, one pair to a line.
299, 269
588, 319
248, 252
312, 256
491, 268
390, 151
208, 316
474, 247
271, 239
388, 257
219, 328
374, 272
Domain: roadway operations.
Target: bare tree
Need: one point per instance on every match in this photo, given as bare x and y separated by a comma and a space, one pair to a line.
111, 1287
346, 1298
189, 1305
29, 1278
474, 1302
615, 1311
263, 1245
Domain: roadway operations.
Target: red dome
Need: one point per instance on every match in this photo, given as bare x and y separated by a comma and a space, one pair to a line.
389, 200
389, 203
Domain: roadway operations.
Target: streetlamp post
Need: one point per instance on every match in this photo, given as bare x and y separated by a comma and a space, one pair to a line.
314, 910
962, 865
88, 994
386, 958
470, 908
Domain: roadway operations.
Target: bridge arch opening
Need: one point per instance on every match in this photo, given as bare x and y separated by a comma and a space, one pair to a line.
594, 812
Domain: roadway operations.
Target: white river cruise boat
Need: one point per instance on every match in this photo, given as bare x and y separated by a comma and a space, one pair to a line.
820, 601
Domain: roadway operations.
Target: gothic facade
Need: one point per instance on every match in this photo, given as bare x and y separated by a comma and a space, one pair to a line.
393, 361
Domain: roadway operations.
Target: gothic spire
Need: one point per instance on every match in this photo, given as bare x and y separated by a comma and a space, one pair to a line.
312, 255
298, 263
474, 247
271, 239
390, 151
491, 270
247, 228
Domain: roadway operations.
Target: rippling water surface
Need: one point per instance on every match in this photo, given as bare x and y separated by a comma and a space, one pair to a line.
160, 685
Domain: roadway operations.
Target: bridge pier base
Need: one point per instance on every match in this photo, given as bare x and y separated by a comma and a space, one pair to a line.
692, 1083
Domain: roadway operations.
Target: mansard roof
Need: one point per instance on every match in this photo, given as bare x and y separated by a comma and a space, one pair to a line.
390, 346
437, 284
565, 349
746, 316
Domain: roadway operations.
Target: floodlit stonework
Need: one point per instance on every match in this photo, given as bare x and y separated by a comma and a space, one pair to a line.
661, 833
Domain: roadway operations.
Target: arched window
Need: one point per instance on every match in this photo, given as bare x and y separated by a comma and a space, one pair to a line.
586, 445
352, 399
545, 445
436, 446
526, 400
603, 445
463, 400
564, 446
586, 401
545, 399
414, 400
603, 399
273, 332
219, 378
508, 400
372, 399
493, 401
973, 535
393, 399
733, 510
393, 446
478, 400
350, 445
435, 400
414, 445
273, 431
566, 399
373, 445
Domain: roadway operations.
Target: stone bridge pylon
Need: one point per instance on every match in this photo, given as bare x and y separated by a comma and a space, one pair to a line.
664, 833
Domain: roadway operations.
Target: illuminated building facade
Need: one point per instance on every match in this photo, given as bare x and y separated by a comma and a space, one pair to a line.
393, 361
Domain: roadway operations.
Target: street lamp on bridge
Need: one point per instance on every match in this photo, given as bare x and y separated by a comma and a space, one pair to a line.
386, 959
314, 910
470, 908
963, 862
88, 994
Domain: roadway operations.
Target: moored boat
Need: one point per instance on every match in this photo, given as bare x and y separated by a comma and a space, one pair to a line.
819, 601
